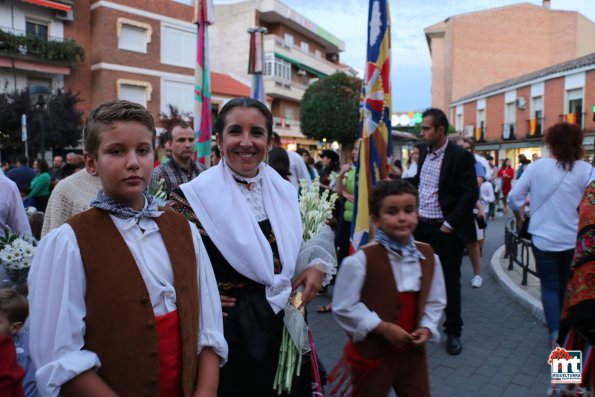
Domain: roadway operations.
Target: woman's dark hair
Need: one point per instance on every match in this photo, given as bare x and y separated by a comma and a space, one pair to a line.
43, 166
69, 169
279, 161
334, 157
245, 102
216, 151
388, 188
565, 141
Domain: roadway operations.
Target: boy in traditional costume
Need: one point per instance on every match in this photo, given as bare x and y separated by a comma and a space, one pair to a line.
123, 297
389, 297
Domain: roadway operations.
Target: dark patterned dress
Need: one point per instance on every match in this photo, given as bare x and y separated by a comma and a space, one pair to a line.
252, 330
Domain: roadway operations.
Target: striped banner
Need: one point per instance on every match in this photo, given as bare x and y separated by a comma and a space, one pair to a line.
375, 120
204, 16
256, 64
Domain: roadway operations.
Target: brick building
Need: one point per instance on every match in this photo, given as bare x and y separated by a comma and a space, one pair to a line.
473, 50
510, 117
138, 50
144, 51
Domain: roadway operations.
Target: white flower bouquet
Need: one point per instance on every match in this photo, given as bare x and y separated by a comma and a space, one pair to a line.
16, 255
317, 250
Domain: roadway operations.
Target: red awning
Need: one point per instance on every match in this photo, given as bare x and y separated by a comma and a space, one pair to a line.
50, 4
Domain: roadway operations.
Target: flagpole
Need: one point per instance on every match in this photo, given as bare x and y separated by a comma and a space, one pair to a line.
256, 62
203, 17
375, 120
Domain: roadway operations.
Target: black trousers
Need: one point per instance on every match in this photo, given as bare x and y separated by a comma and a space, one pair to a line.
449, 248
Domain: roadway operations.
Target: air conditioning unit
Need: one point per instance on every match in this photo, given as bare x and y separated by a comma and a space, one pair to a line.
65, 15
521, 102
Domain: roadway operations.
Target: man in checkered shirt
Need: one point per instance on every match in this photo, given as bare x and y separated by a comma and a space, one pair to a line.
448, 192
181, 168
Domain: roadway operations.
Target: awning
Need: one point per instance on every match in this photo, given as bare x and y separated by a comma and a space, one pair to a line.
50, 4
300, 65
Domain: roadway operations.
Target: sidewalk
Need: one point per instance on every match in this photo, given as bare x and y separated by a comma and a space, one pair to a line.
505, 348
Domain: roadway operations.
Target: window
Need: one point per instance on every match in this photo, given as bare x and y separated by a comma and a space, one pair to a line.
36, 28
317, 54
133, 35
575, 106
289, 114
305, 46
134, 91
277, 67
187, 2
178, 46
288, 39
177, 93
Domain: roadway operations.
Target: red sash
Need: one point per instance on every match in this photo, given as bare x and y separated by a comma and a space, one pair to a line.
170, 355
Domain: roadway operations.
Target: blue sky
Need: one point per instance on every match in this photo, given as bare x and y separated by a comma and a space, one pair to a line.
411, 61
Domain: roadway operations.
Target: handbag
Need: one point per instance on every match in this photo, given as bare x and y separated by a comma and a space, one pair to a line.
523, 232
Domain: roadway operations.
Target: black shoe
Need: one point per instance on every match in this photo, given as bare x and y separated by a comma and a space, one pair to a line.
453, 345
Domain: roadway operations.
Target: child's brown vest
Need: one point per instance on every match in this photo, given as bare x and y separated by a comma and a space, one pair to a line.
380, 294
120, 323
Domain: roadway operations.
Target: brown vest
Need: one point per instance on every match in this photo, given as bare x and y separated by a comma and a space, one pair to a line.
120, 323
380, 294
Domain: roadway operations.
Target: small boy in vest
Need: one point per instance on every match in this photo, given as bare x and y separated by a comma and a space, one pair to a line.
13, 313
389, 297
123, 298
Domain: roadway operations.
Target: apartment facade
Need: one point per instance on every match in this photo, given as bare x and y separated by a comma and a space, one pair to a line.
143, 51
35, 47
474, 50
296, 52
510, 117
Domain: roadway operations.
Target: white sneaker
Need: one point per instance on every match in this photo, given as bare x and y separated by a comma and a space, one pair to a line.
476, 281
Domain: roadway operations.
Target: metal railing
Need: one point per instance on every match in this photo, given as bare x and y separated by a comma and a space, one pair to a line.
517, 250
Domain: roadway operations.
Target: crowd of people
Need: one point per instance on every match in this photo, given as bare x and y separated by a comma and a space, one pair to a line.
126, 297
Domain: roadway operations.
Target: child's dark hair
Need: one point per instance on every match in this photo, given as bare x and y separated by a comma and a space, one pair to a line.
106, 114
14, 305
388, 188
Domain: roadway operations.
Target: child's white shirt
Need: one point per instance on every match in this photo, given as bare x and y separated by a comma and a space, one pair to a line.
57, 286
355, 317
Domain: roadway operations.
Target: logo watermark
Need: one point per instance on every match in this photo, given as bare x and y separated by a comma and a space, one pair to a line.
566, 365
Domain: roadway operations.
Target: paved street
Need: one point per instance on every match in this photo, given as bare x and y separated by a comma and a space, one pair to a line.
504, 348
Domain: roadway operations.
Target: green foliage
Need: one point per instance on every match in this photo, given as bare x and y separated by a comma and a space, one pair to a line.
41, 48
330, 109
63, 123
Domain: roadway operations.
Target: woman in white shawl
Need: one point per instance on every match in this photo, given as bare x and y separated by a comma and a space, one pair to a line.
250, 223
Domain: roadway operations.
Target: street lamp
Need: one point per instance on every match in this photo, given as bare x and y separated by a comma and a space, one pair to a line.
39, 94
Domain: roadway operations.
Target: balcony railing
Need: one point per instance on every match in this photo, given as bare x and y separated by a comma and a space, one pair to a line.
535, 127
17, 43
508, 132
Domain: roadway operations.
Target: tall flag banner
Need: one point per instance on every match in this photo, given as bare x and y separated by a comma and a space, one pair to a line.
203, 17
256, 63
375, 120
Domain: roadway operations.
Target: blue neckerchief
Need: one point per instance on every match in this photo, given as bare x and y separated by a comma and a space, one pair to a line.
406, 250
116, 209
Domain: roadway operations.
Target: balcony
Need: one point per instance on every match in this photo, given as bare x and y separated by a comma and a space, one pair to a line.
508, 131
281, 88
19, 45
535, 127
302, 59
287, 127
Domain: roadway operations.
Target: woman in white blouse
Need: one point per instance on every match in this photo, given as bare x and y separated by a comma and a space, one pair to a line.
556, 185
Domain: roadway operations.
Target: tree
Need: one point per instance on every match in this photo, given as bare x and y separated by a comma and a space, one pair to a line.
63, 123
169, 119
330, 109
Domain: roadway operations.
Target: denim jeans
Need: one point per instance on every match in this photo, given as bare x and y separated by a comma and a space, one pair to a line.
553, 269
